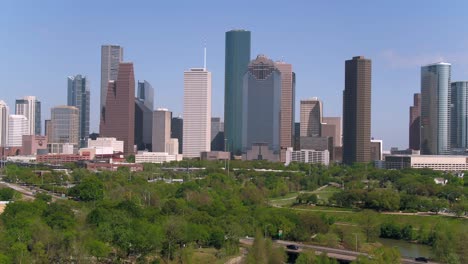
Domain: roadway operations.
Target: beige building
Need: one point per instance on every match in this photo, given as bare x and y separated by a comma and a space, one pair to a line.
435, 162
161, 129
311, 111
287, 107
65, 124
331, 127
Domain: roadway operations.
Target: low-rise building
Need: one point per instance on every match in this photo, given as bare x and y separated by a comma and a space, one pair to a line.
307, 156
106, 143
100, 166
60, 158
215, 155
156, 157
435, 162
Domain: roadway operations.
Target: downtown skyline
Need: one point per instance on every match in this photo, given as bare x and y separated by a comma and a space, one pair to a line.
316, 55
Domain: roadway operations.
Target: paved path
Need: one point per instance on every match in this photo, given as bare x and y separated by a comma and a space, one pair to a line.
331, 252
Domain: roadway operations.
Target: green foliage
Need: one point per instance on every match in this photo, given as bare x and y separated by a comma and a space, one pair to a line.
89, 189
6, 194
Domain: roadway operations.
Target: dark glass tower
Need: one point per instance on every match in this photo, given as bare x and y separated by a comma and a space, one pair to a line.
177, 130
415, 120
79, 96
237, 60
435, 109
357, 111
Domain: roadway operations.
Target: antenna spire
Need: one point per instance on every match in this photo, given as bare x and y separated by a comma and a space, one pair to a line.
204, 57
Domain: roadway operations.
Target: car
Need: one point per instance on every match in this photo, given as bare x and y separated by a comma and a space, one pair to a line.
421, 259
292, 247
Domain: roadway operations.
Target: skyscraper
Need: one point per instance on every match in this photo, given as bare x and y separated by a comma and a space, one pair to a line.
144, 105
415, 122
311, 111
261, 105
287, 107
197, 112
357, 110
161, 129
30, 107
79, 97
119, 118
237, 59
47, 129
334, 122
4, 113
459, 115
217, 134
111, 57
435, 109
18, 125
65, 125
177, 130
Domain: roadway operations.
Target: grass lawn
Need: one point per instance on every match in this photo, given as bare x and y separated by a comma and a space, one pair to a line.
326, 193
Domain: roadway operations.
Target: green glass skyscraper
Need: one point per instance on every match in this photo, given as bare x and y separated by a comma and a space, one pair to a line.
237, 60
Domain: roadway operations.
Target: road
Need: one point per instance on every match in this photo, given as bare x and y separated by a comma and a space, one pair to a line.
342, 254
27, 193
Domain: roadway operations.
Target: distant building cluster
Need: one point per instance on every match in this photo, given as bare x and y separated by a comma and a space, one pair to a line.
259, 117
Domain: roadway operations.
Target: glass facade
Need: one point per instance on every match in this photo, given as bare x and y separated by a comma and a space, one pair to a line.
261, 105
79, 97
237, 60
435, 109
459, 115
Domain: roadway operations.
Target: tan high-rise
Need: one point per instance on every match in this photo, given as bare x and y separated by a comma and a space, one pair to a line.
65, 125
287, 107
311, 111
357, 111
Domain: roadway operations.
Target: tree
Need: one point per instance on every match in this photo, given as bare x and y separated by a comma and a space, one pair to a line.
6, 194
89, 189
307, 257
258, 253
369, 224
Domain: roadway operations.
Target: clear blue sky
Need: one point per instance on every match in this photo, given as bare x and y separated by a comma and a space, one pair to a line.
43, 42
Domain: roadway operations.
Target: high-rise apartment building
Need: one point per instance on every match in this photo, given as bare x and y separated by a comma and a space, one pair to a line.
4, 114
177, 130
287, 107
261, 105
237, 60
30, 107
357, 110
161, 129
459, 115
65, 125
18, 125
79, 97
435, 109
415, 122
111, 57
197, 112
119, 118
144, 105
311, 111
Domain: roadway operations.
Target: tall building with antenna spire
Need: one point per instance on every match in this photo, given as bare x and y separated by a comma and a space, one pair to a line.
197, 111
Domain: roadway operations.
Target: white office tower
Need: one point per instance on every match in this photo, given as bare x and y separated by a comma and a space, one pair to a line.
4, 112
197, 112
17, 127
30, 107
111, 57
172, 146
